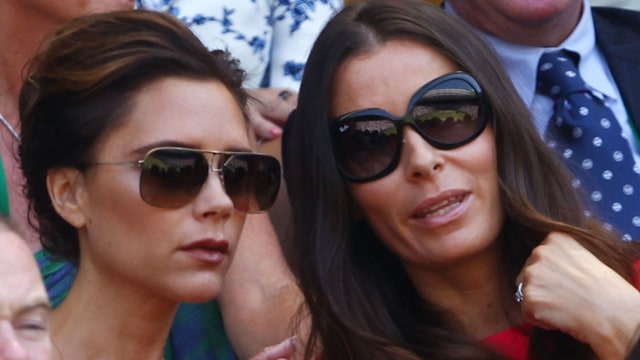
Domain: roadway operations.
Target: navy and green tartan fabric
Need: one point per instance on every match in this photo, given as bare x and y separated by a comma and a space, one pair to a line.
197, 332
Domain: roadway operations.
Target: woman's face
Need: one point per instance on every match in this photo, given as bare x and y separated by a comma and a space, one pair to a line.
438, 207
180, 253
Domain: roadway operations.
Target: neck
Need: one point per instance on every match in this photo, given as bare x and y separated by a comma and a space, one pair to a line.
539, 23
475, 291
107, 318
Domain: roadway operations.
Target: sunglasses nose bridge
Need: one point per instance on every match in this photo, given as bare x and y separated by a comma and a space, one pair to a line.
212, 163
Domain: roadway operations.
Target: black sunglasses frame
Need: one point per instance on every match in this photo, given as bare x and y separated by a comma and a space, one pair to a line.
408, 119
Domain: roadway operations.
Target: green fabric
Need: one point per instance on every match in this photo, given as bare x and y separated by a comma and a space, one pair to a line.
4, 192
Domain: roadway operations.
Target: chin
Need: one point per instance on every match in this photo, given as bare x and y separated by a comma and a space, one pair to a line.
200, 294
198, 288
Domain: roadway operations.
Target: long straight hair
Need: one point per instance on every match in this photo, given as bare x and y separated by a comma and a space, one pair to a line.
362, 303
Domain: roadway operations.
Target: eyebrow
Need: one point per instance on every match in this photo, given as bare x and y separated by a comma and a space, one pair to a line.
35, 305
145, 149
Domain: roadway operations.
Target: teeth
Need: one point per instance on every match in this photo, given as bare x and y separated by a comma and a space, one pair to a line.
440, 208
443, 210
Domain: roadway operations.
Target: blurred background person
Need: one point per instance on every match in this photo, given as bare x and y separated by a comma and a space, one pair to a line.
24, 305
24, 24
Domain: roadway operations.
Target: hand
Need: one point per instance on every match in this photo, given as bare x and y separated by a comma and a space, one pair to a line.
269, 109
567, 288
283, 351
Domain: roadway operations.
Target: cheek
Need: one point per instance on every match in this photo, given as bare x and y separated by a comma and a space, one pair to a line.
234, 226
378, 202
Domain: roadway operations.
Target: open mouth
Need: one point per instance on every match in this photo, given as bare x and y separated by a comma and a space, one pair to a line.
440, 208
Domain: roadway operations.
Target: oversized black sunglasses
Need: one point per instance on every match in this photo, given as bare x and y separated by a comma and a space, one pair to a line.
172, 177
447, 112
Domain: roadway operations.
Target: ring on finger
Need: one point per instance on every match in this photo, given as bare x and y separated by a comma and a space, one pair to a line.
519, 295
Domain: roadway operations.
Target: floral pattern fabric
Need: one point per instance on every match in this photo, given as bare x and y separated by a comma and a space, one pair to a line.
271, 38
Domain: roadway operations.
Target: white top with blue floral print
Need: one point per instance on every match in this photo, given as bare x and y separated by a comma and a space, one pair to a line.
271, 38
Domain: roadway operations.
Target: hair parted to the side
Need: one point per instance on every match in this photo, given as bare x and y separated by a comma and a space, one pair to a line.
362, 302
79, 88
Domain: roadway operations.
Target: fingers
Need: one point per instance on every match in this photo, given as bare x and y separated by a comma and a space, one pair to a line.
269, 109
284, 350
567, 288
263, 128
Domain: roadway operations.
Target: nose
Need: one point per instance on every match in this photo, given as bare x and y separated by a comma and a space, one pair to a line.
11, 348
213, 201
419, 159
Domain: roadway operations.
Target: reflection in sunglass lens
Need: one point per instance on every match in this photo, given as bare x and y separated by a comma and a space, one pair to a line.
447, 112
171, 177
252, 181
367, 145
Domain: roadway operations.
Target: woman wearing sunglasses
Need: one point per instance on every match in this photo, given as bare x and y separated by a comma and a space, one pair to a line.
430, 221
138, 168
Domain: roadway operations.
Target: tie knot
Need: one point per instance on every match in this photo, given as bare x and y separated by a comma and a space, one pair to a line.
558, 75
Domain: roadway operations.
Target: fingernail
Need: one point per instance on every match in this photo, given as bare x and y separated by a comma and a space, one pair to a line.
275, 132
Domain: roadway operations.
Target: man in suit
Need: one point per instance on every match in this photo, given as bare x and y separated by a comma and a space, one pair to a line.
606, 40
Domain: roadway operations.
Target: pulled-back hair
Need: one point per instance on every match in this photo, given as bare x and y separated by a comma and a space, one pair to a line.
362, 302
80, 87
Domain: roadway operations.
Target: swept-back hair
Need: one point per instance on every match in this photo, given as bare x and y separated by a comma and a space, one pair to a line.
362, 303
80, 87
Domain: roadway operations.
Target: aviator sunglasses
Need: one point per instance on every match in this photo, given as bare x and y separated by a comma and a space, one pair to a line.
447, 112
171, 177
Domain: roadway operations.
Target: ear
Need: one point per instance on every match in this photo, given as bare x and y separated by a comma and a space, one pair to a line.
66, 190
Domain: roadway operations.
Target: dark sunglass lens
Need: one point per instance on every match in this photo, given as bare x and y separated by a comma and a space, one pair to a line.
171, 178
252, 181
449, 114
366, 146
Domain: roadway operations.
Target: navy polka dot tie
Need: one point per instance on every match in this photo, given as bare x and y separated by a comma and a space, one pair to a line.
585, 132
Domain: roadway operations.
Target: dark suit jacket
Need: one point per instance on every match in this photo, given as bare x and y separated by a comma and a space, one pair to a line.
618, 37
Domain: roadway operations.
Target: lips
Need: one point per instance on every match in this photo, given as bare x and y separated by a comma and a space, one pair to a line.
440, 205
208, 250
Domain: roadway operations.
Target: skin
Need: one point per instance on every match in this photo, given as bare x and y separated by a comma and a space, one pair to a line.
249, 301
452, 258
563, 289
24, 306
268, 111
439, 252
133, 271
544, 23
25, 24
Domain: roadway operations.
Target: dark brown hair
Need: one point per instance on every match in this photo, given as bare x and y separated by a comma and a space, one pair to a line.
79, 88
362, 303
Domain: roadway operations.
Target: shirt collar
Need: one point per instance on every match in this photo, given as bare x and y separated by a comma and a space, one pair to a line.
521, 62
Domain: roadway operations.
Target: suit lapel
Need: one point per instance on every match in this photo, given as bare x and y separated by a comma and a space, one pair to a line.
618, 37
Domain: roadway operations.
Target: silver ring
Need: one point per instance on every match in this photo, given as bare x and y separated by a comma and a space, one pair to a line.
285, 94
519, 295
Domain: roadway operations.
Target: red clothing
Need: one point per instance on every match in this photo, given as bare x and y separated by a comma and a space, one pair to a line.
513, 342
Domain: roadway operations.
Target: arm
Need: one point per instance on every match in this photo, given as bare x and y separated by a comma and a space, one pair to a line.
569, 289
259, 296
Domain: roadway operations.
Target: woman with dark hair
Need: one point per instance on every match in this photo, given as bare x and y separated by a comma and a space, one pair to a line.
139, 169
410, 241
